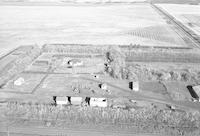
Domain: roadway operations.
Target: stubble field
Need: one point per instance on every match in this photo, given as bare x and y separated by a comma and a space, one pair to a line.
119, 24
188, 15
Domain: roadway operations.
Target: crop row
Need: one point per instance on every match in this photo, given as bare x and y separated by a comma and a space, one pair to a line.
163, 57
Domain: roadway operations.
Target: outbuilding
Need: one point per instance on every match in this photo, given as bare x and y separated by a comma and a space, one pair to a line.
196, 89
134, 85
103, 86
98, 102
75, 100
62, 100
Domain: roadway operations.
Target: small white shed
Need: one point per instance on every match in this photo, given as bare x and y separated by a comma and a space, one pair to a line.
98, 102
196, 89
61, 100
76, 100
134, 85
103, 86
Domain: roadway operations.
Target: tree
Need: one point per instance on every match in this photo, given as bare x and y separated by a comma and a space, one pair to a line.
115, 62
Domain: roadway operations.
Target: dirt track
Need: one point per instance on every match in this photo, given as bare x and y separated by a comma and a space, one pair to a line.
68, 132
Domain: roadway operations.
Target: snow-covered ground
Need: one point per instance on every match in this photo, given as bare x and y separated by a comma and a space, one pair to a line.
84, 24
189, 15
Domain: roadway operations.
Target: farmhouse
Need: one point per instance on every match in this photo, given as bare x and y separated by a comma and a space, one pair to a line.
98, 102
75, 62
61, 100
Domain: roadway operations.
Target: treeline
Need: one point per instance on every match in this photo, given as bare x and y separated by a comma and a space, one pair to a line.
74, 48
143, 120
163, 56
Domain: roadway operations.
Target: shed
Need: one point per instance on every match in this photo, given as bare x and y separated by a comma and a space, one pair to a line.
196, 89
75, 100
61, 100
98, 102
134, 85
103, 86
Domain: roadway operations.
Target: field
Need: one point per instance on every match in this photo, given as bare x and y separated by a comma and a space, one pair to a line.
85, 24
177, 1
150, 55
188, 15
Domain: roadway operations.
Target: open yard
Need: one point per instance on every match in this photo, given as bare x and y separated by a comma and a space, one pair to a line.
86, 24
28, 85
87, 85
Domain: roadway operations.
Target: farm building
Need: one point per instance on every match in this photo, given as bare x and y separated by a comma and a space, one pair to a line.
75, 100
75, 62
98, 102
103, 86
61, 100
197, 90
134, 85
